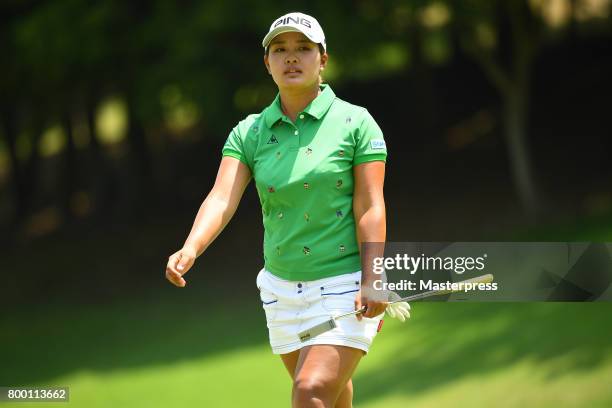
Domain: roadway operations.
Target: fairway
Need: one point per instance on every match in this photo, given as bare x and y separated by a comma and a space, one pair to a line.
150, 354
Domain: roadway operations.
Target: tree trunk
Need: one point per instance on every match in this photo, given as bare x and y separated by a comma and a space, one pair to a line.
103, 184
420, 88
69, 180
515, 130
18, 183
24, 175
140, 159
513, 85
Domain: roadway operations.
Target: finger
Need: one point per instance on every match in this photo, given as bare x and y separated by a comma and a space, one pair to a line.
358, 307
374, 309
382, 307
172, 263
363, 313
175, 278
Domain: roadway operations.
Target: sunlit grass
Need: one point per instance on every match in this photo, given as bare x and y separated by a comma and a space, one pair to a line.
190, 348
511, 355
242, 378
525, 383
448, 354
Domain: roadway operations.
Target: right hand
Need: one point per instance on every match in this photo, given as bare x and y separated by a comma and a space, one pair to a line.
178, 265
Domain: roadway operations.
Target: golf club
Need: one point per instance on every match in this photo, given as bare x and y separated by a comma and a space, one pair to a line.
330, 324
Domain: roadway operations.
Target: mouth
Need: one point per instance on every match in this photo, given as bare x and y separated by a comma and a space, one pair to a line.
293, 71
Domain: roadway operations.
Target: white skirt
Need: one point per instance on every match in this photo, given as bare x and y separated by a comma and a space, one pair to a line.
293, 306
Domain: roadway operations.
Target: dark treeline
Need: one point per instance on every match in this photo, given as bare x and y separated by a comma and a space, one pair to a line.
111, 109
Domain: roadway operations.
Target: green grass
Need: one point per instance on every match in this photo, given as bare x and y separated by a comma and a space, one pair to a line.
188, 353
167, 347
509, 355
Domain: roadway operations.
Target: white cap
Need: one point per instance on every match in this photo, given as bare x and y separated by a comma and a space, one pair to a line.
296, 22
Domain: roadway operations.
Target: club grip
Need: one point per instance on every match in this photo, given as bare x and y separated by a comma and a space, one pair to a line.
479, 279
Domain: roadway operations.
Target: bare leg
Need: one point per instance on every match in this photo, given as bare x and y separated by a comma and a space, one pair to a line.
345, 400
322, 374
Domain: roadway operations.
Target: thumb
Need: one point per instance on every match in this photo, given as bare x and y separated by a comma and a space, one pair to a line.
358, 305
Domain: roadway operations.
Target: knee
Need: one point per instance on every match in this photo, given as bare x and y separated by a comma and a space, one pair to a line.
312, 392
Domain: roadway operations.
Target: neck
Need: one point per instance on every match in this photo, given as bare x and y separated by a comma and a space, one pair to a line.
293, 101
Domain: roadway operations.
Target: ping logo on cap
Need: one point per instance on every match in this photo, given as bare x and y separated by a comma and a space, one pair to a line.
300, 22
296, 20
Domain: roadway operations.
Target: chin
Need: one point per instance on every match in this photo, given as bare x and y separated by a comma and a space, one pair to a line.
296, 83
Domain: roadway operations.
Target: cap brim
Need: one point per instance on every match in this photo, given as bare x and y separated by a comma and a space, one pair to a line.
281, 30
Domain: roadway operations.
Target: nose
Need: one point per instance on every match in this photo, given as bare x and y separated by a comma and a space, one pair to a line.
291, 59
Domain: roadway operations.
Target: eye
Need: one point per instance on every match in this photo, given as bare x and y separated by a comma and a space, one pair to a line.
279, 49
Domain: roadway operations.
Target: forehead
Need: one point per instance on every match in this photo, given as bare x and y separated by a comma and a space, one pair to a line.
291, 37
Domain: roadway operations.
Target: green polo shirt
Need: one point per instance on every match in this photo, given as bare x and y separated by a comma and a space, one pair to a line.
303, 172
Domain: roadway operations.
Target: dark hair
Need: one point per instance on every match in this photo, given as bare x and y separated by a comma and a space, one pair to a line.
321, 50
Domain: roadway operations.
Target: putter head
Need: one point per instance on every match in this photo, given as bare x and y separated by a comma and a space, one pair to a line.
315, 330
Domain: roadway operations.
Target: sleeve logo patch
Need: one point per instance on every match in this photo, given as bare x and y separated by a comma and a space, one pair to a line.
378, 144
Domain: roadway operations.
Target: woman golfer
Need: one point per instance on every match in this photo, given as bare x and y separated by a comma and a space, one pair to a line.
319, 164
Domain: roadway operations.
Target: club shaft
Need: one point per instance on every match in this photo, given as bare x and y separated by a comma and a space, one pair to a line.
419, 296
406, 299
429, 293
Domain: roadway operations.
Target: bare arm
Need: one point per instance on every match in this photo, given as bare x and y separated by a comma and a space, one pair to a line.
370, 221
215, 212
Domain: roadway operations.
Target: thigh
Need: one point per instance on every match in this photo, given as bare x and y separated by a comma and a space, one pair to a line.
290, 361
329, 365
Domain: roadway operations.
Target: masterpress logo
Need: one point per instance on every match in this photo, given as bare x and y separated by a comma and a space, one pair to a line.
411, 264
519, 271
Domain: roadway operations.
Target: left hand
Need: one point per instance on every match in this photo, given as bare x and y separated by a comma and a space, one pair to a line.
374, 304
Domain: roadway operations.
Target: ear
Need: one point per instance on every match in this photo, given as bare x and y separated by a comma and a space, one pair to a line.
324, 59
267, 64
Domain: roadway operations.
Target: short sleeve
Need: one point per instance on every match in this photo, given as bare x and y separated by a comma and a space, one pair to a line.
370, 143
234, 147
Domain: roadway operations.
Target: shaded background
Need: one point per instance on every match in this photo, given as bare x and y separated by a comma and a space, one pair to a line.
112, 119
